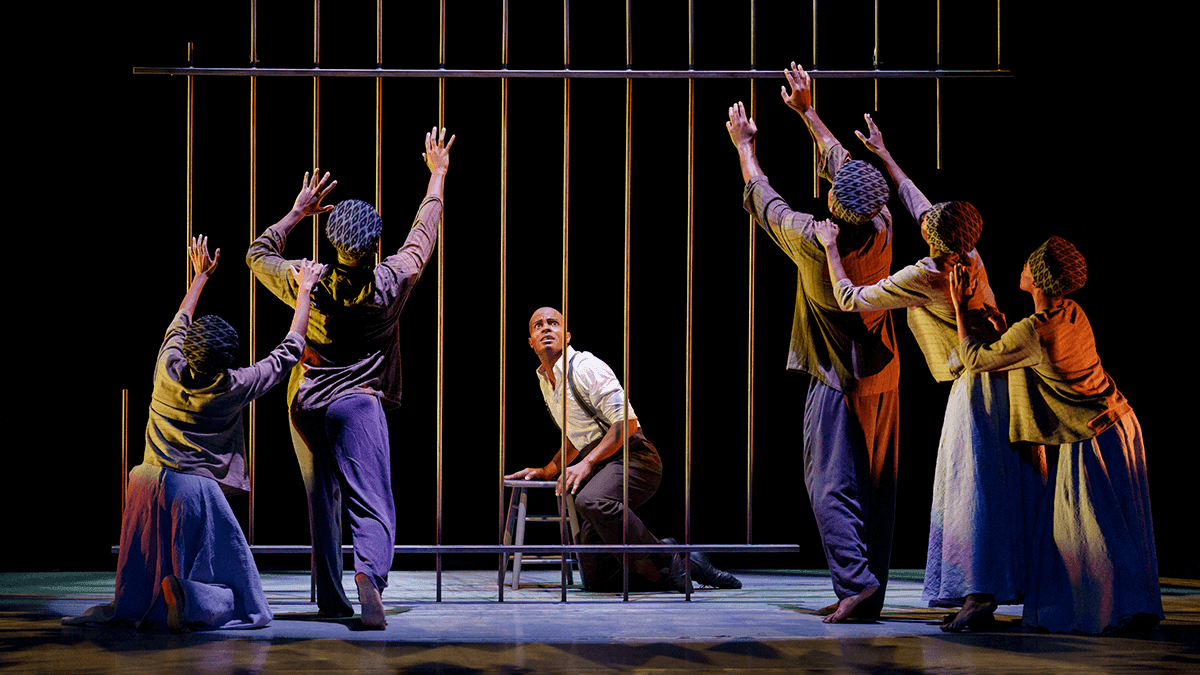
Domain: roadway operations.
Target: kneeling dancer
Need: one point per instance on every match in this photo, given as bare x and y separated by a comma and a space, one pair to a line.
184, 562
595, 434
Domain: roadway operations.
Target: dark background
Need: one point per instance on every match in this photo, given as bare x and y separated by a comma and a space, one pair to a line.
1057, 149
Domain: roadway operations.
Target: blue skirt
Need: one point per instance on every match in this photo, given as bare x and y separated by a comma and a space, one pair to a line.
1093, 567
181, 524
981, 485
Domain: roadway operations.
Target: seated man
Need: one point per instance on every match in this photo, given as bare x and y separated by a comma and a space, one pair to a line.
179, 539
595, 434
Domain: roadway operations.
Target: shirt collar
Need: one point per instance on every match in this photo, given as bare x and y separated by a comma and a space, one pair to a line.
558, 365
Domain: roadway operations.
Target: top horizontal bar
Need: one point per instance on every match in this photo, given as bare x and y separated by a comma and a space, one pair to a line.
567, 73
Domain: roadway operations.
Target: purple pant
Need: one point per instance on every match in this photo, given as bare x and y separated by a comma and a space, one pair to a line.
850, 458
343, 450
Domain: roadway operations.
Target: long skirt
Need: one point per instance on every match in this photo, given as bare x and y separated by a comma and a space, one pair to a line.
981, 485
179, 524
1093, 567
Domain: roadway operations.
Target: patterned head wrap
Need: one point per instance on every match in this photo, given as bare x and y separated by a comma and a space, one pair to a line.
353, 228
1058, 267
859, 191
953, 227
210, 345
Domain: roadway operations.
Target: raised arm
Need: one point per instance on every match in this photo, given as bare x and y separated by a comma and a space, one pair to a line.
202, 268
742, 131
437, 158
265, 255
308, 202
409, 261
874, 143
800, 100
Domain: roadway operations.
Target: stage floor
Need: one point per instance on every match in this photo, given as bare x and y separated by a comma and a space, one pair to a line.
767, 626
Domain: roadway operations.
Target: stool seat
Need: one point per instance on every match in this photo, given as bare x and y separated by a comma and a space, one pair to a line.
514, 529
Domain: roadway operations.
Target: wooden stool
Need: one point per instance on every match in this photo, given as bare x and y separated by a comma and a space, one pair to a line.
514, 529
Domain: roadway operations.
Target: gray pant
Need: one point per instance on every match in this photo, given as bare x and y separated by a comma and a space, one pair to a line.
850, 458
599, 503
343, 450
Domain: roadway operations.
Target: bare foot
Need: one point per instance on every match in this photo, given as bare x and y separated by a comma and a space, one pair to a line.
847, 605
826, 611
173, 596
977, 610
372, 603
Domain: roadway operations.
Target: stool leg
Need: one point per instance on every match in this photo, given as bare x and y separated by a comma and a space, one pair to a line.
510, 519
573, 520
522, 511
567, 557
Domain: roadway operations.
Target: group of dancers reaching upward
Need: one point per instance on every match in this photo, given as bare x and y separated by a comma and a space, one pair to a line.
1040, 493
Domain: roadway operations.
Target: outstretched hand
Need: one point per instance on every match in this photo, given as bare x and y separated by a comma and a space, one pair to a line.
437, 150
827, 233
198, 254
874, 141
800, 98
308, 202
307, 274
741, 128
527, 474
962, 286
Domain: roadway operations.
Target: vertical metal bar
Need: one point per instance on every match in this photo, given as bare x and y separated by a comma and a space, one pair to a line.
316, 118
997, 34
813, 87
316, 157
379, 124
124, 450
875, 55
750, 321
441, 336
562, 459
187, 281
691, 184
252, 441
503, 279
625, 328
938, 85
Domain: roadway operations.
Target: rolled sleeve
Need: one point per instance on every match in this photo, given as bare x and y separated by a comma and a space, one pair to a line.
603, 391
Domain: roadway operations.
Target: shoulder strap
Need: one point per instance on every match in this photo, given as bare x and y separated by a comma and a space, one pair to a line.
582, 401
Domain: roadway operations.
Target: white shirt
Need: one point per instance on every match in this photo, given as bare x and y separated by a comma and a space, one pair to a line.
595, 381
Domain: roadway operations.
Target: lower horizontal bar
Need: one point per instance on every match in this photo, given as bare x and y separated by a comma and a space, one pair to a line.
566, 73
547, 548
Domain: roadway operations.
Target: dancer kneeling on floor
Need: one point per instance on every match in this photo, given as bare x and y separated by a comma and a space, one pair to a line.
596, 411
184, 562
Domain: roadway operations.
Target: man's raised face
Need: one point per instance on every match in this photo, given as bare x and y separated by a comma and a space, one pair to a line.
545, 331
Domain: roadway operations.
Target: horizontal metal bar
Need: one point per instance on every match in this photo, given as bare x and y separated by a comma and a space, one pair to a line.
567, 73
547, 548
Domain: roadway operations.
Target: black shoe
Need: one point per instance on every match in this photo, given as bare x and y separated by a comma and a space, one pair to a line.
676, 578
706, 575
